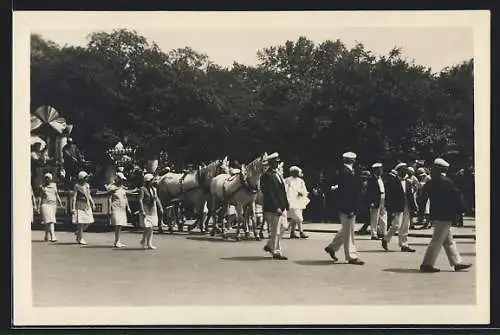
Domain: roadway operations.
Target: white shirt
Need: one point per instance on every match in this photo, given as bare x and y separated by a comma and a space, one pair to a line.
403, 185
294, 186
381, 185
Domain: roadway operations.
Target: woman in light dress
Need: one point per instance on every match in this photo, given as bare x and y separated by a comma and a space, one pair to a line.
82, 206
48, 201
297, 194
119, 206
149, 204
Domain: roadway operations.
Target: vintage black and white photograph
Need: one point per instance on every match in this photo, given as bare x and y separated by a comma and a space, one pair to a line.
251, 168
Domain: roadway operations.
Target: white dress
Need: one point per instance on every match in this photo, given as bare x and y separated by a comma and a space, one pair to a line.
151, 218
83, 211
49, 203
118, 206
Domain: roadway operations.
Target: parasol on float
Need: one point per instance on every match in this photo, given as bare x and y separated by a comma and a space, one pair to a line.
49, 116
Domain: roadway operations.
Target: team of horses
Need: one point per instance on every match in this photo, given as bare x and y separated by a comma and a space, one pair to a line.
210, 190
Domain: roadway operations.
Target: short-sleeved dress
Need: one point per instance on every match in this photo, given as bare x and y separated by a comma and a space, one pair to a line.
149, 201
83, 211
118, 205
48, 206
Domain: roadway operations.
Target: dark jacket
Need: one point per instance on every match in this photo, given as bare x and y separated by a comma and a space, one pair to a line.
273, 192
349, 191
373, 194
396, 198
148, 199
446, 201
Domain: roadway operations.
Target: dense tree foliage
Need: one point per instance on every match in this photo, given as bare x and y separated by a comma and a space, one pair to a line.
310, 102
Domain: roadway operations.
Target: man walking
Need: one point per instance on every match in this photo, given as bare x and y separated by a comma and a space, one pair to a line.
349, 190
446, 202
376, 198
275, 206
297, 198
400, 202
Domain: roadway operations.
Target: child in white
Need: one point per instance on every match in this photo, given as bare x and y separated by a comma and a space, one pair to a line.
297, 193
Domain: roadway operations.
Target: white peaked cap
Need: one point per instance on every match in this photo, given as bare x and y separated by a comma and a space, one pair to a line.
441, 162
399, 166
411, 169
48, 175
235, 171
121, 176
376, 165
350, 155
295, 168
148, 177
82, 174
274, 155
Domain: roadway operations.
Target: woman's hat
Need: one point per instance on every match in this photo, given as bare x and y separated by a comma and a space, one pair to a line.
82, 175
48, 175
148, 177
296, 169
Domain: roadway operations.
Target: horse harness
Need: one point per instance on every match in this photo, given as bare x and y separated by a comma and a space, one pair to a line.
244, 184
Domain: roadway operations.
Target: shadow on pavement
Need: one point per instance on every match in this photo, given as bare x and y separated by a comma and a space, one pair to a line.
129, 249
468, 253
400, 270
318, 262
247, 258
212, 239
376, 251
39, 241
65, 243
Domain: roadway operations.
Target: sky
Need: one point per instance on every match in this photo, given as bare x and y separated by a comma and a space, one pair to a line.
435, 47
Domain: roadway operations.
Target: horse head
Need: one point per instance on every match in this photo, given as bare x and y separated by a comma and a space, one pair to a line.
253, 171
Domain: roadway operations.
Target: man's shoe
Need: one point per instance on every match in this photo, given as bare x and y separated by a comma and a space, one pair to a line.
384, 245
460, 267
428, 269
356, 261
331, 253
293, 236
407, 249
267, 249
375, 238
280, 257
302, 235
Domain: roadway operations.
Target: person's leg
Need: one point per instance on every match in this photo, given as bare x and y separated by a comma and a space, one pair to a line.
272, 220
450, 247
81, 228
382, 220
46, 237
374, 218
404, 228
52, 232
150, 238
117, 235
349, 245
395, 224
438, 236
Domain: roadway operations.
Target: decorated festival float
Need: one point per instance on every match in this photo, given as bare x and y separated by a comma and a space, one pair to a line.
52, 150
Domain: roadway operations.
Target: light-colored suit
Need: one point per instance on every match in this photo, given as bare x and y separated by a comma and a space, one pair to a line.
294, 186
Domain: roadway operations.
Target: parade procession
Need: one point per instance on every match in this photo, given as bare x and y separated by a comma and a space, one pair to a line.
226, 201
323, 174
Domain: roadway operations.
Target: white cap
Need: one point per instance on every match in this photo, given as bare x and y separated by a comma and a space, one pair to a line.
399, 166
148, 177
48, 175
274, 155
234, 171
421, 171
377, 165
82, 175
411, 169
441, 162
295, 168
120, 168
349, 155
121, 176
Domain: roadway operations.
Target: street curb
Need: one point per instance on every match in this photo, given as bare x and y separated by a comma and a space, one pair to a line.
471, 236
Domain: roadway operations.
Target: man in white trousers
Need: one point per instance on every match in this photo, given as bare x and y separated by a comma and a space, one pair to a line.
446, 201
400, 202
349, 189
296, 191
275, 206
375, 194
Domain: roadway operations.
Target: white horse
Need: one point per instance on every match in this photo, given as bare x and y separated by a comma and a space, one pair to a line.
192, 187
239, 190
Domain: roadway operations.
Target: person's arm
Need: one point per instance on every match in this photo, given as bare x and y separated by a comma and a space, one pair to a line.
73, 200
141, 201
158, 202
59, 198
127, 204
91, 200
424, 196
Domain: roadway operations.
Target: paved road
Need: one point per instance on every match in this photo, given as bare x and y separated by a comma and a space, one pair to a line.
199, 270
